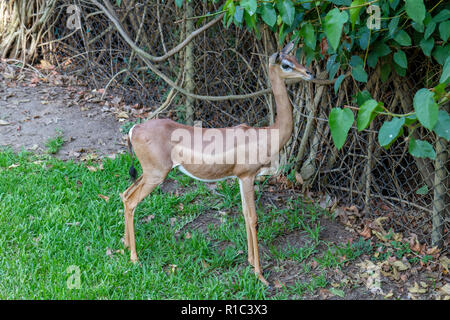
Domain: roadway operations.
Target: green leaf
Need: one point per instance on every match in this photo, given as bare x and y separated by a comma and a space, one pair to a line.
341, 2
402, 38
427, 46
442, 127
400, 71
250, 6
309, 35
421, 149
333, 70
412, 118
393, 26
179, 3
372, 60
118, 2
231, 9
381, 49
362, 97
422, 190
354, 12
439, 91
444, 30
334, 21
418, 27
400, 59
338, 82
364, 37
429, 30
442, 16
239, 14
250, 22
356, 61
340, 121
366, 114
415, 10
393, 3
287, 11
385, 72
268, 14
359, 74
445, 71
440, 53
390, 130
426, 108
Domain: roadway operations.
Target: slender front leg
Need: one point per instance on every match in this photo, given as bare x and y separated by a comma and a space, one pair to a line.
251, 258
249, 196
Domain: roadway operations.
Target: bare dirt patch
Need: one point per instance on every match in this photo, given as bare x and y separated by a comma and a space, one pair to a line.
31, 113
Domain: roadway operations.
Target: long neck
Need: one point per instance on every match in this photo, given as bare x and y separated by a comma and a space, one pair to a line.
283, 120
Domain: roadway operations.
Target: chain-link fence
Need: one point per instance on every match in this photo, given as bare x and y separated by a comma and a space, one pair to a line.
412, 193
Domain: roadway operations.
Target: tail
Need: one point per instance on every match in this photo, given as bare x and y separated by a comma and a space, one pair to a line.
132, 171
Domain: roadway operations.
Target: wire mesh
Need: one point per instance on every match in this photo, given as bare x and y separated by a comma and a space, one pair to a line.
380, 182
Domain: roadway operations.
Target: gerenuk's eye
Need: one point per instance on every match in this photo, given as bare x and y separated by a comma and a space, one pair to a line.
285, 66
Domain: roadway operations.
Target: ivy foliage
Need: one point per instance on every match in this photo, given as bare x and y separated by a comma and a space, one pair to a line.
358, 36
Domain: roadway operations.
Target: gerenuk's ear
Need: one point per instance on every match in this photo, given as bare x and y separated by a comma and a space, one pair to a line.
288, 48
275, 58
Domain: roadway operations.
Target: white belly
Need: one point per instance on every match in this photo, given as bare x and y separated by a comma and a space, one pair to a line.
183, 169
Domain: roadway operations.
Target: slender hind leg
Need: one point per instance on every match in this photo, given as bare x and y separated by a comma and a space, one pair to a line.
124, 195
131, 198
248, 193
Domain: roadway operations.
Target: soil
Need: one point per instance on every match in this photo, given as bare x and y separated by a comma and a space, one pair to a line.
33, 113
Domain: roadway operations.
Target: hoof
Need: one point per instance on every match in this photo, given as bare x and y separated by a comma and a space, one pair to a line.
134, 259
263, 280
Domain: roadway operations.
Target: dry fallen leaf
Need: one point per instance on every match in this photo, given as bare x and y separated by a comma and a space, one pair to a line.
45, 65
445, 262
188, 235
92, 169
337, 292
4, 123
366, 233
205, 264
173, 268
278, 284
122, 115
298, 178
445, 289
14, 166
400, 265
416, 289
148, 218
106, 198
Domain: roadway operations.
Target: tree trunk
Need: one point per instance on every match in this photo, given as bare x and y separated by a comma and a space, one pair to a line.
189, 64
441, 205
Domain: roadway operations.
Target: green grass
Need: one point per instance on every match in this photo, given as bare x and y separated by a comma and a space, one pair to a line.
54, 144
52, 220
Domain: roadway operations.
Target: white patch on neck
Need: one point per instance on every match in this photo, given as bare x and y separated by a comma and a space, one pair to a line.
183, 169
